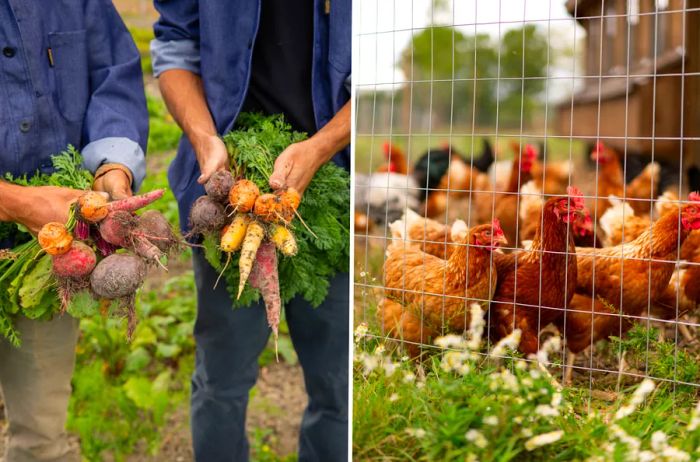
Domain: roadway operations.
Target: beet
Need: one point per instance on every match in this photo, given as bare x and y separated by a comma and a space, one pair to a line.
207, 216
219, 185
118, 276
117, 227
77, 263
153, 226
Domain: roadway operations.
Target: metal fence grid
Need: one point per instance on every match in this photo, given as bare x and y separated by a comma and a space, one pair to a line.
624, 73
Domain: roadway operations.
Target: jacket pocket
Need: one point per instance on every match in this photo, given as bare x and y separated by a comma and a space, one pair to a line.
339, 35
71, 73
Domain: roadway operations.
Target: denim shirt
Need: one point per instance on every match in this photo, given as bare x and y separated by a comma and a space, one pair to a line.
214, 39
69, 74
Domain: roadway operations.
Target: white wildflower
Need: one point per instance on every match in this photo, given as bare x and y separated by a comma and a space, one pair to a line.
361, 331
404, 358
638, 397
556, 399
471, 458
517, 420
543, 439
546, 410
409, 377
526, 432
646, 456
521, 365
659, 440
694, 418
551, 345
476, 327
420, 385
633, 444
369, 363
672, 454
393, 397
363, 274
476, 437
491, 420
450, 341
381, 348
416, 432
389, 367
508, 343
535, 374
527, 382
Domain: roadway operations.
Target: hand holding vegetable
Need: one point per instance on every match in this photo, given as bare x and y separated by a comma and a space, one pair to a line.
115, 180
212, 156
34, 206
296, 166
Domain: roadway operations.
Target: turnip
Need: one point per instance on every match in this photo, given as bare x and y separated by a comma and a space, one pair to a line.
117, 227
72, 270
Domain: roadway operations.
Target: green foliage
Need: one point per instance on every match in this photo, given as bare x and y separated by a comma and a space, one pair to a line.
490, 411
25, 283
164, 134
325, 207
123, 392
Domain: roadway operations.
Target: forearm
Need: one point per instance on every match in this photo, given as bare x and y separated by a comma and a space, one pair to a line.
333, 137
184, 96
10, 198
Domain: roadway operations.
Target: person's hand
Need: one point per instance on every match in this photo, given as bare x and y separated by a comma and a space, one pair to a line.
44, 204
296, 166
116, 183
212, 156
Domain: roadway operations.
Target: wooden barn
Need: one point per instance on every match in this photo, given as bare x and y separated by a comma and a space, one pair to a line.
641, 77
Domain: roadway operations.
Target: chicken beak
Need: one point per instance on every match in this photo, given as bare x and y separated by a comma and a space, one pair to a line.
500, 240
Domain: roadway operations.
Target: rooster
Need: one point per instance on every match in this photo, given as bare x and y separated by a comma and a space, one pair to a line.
534, 286
396, 161
611, 181
428, 235
425, 294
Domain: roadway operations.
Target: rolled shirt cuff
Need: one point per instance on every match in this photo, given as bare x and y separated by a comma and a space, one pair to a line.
174, 54
116, 150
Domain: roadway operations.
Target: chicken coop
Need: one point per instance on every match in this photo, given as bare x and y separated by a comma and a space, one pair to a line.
525, 181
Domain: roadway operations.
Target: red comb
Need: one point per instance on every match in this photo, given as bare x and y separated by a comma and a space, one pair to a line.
445, 145
530, 151
694, 196
386, 147
574, 191
599, 146
496, 224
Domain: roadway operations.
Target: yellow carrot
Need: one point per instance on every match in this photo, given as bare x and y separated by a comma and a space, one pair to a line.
233, 235
253, 238
54, 238
283, 240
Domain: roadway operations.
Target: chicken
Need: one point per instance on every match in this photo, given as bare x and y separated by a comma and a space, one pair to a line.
534, 286
506, 205
428, 235
531, 202
396, 161
611, 181
585, 321
631, 274
384, 197
620, 224
425, 294
552, 177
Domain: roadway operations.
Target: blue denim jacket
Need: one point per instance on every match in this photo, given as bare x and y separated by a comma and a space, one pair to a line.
215, 40
69, 74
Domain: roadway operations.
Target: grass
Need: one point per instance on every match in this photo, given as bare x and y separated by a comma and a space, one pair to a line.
461, 404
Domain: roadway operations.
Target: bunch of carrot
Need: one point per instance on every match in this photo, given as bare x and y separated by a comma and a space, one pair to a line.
90, 257
250, 224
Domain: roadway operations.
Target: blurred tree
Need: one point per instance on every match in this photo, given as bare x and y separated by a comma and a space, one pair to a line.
442, 63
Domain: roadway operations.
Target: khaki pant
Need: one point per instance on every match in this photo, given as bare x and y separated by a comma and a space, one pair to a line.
35, 383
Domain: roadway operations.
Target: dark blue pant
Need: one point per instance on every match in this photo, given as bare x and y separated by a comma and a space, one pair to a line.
229, 341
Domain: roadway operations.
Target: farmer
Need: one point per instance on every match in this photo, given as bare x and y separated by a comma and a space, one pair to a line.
215, 59
69, 74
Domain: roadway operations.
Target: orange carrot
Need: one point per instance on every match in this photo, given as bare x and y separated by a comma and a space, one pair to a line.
54, 238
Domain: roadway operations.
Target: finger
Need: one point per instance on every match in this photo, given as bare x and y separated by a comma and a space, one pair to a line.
280, 174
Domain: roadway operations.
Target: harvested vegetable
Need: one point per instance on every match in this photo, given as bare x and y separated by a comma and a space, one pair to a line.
134, 203
206, 216
283, 240
54, 238
266, 279
233, 234
219, 185
77, 263
118, 276
243, 195
267, 207
153, 226
92, 207
117, 227
253, 238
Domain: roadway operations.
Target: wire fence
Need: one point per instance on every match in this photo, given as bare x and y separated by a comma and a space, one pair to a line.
537, 158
